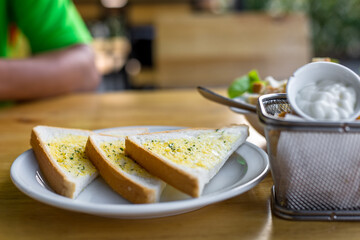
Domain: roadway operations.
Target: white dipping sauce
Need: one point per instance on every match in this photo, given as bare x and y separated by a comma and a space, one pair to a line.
327, 100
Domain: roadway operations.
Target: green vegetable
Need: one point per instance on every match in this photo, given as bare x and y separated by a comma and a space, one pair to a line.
239, 86
254, 76
243, 163
243, 84
241, 160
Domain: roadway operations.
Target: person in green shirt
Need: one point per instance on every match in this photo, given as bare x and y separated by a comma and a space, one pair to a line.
61, 60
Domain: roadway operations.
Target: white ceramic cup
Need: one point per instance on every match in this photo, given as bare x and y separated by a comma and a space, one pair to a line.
315, 71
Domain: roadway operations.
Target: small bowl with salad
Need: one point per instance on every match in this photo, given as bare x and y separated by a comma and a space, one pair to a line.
249, 88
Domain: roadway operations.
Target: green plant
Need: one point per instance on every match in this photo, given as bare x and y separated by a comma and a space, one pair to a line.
335, 24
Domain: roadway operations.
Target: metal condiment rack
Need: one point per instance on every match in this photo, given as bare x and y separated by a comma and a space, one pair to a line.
311, 179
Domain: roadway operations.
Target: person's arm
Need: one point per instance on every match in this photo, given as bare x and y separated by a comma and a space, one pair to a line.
48, 74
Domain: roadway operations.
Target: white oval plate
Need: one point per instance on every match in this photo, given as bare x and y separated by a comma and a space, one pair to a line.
244, 170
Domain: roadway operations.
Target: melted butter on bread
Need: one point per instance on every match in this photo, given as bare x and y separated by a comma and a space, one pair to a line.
69, 152
202, 151
115, 153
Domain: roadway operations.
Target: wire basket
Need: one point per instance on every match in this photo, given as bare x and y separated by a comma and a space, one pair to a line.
315, 166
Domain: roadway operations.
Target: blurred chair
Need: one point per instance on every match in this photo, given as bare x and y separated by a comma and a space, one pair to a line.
213, 50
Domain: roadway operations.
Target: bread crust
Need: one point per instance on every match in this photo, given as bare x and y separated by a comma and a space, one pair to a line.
194, 129
52, 173
118, 181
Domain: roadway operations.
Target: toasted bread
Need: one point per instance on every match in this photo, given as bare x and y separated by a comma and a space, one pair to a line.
187, 159
121, 173
60, 153
123, 131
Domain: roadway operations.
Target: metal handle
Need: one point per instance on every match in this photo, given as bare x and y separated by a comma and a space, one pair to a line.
208, 94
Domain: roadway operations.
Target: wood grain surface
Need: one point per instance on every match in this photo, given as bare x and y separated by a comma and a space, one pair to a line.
247, 216
213, 50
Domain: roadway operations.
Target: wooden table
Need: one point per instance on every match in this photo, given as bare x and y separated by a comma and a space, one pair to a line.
247, 216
